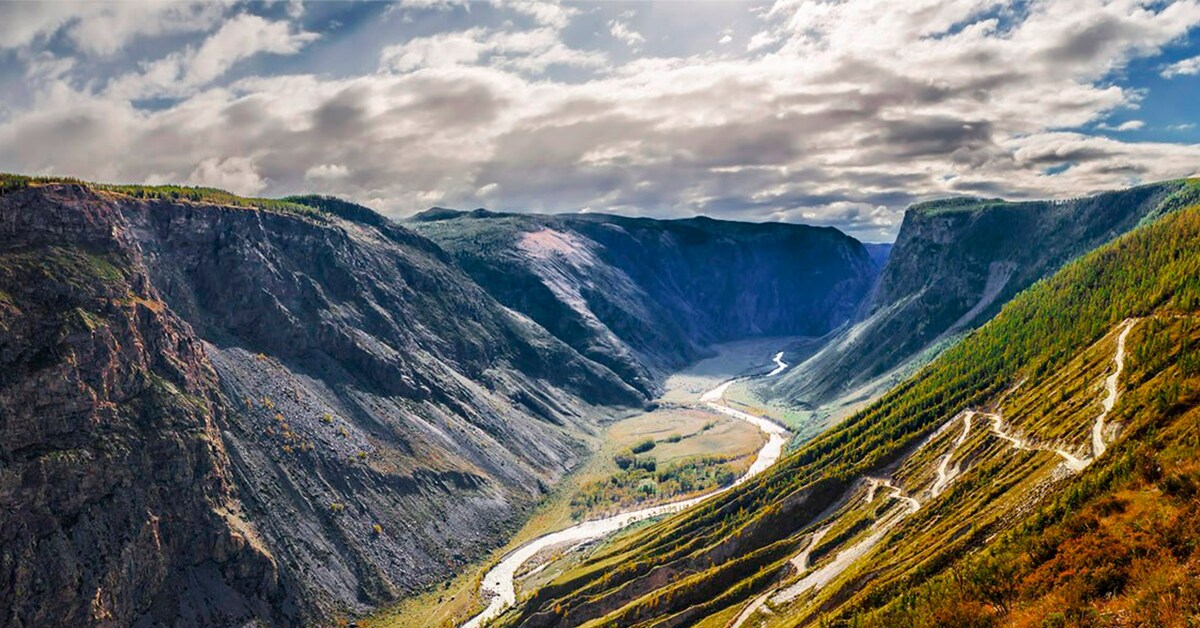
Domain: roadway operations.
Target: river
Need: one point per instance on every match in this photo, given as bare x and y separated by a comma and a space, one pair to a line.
498, 581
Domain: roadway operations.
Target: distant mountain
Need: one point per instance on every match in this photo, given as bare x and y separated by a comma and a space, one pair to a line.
1041, 471
878, 252
954, 265
645, 296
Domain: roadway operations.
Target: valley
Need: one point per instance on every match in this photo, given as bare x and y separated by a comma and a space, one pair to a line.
477, 418
939, 503
580, 313
691, 395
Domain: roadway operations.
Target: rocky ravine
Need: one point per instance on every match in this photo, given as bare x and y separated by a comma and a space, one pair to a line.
222, 414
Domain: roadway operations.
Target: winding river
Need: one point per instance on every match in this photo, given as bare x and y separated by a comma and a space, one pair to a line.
498, 581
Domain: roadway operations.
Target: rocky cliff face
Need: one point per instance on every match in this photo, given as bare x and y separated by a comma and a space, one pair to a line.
223, 414
120, 502
642, 296
954, 265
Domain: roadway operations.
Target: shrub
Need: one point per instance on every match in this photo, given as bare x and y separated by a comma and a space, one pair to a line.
643, 446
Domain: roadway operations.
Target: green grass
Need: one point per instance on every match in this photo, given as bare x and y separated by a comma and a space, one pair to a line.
174, 193
76, 267
1057, 335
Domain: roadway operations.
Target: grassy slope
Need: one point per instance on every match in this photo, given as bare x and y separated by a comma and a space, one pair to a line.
1117, 543
213, 196
737, 542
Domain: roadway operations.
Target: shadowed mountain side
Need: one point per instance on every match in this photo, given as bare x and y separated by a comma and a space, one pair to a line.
645, 296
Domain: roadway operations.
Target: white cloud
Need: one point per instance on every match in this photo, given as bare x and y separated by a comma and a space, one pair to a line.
528, 51
545, 12
761, 40
621, 31
103, 28
327, 172
843, 114
1129, 125
240, 38
236, 174
1187, 67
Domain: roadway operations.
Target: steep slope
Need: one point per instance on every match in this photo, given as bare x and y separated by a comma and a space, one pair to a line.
643, 296
102, 387
954, 264
904, 492
376, 419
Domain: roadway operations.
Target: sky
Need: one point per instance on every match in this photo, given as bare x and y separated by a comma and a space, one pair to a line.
838, 113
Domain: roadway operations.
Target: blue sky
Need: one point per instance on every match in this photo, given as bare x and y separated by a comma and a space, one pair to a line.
833, 113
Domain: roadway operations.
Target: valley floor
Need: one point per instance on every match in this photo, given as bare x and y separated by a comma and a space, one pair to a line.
695, 424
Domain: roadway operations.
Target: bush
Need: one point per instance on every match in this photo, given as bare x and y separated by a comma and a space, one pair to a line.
643, 446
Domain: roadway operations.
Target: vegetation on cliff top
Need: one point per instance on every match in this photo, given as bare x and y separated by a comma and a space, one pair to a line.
213, 196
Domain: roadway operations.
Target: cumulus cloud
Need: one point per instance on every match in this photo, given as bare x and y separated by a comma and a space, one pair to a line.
550, 13
236, 174
100, 28
1186, 67
240, 38
849, 113
621, 31
327, 172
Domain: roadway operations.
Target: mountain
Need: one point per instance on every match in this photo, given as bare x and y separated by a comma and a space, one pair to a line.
1040, 471
645, 297
221, 412
953, 266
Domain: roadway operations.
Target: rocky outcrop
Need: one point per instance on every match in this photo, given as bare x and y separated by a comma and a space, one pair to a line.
119, 499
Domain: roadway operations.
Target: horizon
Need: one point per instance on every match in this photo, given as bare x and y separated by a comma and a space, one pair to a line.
833, 115
54, 179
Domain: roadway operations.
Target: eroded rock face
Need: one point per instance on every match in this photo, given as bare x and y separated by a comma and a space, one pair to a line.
376, 384
218, 415
117, 491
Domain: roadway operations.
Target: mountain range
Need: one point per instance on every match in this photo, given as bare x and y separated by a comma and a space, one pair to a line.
219, 410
